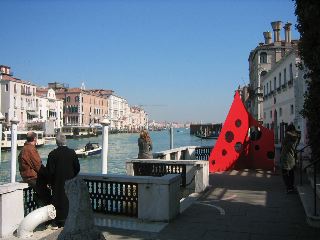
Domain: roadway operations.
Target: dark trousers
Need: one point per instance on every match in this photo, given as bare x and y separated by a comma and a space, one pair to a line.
42, 195
288, 178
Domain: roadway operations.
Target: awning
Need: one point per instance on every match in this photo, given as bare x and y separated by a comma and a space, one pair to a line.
32, 113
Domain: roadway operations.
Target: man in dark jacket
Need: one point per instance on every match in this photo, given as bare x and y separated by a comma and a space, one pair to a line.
288, 156
62, 164
32, 171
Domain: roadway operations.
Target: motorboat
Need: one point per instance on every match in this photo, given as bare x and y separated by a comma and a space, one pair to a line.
90, 149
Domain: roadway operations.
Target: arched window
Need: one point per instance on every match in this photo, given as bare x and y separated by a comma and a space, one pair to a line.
263, 57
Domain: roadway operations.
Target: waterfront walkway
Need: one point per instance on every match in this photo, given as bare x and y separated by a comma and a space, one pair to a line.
248, 205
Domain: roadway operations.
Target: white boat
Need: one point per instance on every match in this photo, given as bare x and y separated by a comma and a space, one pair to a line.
21, 139
89, 150
49, 140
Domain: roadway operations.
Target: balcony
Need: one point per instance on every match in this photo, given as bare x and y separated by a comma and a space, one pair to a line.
284, 86
278, 89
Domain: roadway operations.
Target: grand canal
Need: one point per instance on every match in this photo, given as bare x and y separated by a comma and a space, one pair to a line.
121, 147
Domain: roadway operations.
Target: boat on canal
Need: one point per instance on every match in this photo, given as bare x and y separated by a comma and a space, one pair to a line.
90, 149
21, 139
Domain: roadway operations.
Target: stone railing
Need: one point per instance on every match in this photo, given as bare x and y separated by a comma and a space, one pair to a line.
147, 198
194, 174
185, 153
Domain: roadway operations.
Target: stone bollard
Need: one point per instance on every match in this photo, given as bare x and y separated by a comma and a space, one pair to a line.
79, 224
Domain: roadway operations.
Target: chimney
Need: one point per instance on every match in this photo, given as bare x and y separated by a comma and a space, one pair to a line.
287, 32
5, 69
267, 37
276, 26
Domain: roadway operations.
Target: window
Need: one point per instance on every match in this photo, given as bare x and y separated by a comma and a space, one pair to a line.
264, 90
77, 99
68, 99
270, 86
267, 88
280, 112
280, 79
291, 109
263, 57
284, 76
15, 88
291, 71
274, 83
7, 87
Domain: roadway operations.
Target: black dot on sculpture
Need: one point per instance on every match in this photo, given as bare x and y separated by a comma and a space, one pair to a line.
213, 162
270, 155
257, 147
238, 147
229, 136
238, 123
224, 152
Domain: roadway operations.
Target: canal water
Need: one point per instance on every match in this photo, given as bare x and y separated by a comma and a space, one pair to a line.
122, 147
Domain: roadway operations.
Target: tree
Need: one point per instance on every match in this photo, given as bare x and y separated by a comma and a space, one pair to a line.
308, 19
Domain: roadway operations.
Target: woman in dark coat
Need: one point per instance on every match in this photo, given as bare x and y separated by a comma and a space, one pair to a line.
62, 164
145, 145
288, 156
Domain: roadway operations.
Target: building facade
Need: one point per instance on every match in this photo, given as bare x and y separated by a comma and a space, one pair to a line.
18, 99
49, 109
82, 107
261, 60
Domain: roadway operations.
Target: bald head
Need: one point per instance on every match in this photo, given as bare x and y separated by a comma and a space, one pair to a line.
31, 136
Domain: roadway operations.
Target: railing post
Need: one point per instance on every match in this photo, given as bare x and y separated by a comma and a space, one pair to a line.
14, 123
315, 188
300, 167
105, 141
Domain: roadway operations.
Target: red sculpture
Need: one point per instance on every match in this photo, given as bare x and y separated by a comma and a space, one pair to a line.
242, 143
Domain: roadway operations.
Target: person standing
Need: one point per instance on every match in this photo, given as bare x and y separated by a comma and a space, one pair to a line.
62, 164
145, 145
288, 156
32, 170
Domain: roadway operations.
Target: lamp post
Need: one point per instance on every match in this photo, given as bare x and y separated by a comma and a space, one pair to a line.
105, 141
2, 118
14, 123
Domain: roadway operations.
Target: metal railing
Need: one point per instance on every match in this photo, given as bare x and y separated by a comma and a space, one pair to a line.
117, 198
160, 169
202, 153
314, 164
302, 169
107, 197
29, 201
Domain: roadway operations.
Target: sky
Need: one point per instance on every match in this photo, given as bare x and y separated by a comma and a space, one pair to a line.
181, 60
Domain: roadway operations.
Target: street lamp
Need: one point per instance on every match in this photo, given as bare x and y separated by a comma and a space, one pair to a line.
2, 118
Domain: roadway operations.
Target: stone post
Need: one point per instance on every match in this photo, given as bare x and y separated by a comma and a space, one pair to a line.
79, 223
105, 142
171, 137
14, 130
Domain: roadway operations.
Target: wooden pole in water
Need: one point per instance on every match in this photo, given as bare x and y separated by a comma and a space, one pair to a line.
105, 142
14, 130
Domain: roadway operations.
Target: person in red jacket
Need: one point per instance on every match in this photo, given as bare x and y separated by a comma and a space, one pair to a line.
32, 171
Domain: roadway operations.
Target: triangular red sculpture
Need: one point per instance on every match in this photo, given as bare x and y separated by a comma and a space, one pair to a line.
242, 143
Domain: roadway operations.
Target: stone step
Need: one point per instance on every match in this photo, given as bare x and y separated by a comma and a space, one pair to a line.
307, 198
